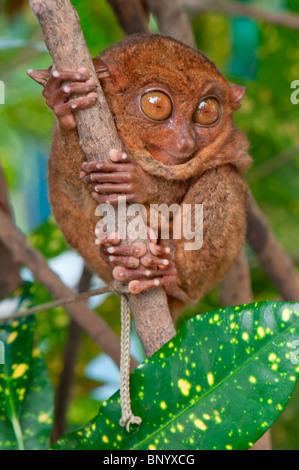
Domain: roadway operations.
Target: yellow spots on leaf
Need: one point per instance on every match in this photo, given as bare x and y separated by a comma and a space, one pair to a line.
252, 379
163, 405
272, 357
198, 388
172, 429
210, 378
19, 371
151, 447
274, 367
261, 332
12, 337
105, 439
216, 317
184, 386
93, 426
233, 325
245, 336
118, 437
170, 345
15, 324
200, 424
270, 401
228, 447
36, 352
21, 393
292, 378
206, 416
180, 427
286, 313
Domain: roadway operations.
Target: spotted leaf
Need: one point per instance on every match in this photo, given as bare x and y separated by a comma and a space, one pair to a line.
219, 384
26, 395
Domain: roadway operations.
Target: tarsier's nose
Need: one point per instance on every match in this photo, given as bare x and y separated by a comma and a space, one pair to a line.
185, 144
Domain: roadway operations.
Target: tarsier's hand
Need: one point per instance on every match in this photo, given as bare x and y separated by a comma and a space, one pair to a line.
132, 263
122, 177
58, 94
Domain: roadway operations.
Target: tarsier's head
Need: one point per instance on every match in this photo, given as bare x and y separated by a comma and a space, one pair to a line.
168, 98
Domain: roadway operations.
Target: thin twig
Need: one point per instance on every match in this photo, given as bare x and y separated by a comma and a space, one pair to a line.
272, 165
58, 303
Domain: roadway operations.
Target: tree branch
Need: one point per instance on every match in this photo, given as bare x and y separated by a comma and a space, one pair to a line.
67, 376
273, 259
289, 20
9, 270
132, 15
172, 20
97, 134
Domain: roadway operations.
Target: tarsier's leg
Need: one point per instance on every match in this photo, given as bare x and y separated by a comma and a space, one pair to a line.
223, 194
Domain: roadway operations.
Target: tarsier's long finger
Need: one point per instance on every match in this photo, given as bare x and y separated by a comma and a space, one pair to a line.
140, 286
94, 167
62, 93
111, 198
159, 250
39, 76
106, 240
126, 261
108, 188
123, 274
137, 250
81, 102
94, 178
119, 156
64, 111
150, 260
57, 76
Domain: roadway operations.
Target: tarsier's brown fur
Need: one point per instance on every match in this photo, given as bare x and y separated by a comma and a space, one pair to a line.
213, 176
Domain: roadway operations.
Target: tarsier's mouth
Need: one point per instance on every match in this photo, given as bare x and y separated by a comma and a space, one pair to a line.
172, 158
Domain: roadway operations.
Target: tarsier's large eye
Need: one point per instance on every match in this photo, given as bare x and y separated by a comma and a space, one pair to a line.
207, 112
156, 105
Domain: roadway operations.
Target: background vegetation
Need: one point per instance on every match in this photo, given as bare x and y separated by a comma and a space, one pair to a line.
260, 56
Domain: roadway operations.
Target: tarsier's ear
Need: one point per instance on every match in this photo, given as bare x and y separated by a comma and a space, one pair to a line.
237, 93
109, 73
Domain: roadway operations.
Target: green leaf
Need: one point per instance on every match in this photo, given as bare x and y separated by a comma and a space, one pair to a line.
26, 395
219, 384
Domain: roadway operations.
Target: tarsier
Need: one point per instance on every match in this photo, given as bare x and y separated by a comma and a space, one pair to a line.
174, 114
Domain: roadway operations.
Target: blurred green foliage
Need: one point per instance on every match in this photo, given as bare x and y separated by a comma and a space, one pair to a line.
267, 116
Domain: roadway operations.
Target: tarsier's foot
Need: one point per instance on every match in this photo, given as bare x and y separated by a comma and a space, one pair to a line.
118, 178
132, 263
58, 93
